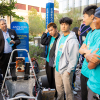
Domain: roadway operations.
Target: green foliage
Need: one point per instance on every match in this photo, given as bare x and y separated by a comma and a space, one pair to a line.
35, 51
57, 17
36, 22
31, 38
18, 19
6, 8
73, 14
56, 4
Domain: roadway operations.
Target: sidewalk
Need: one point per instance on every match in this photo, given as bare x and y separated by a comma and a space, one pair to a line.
1, 97
77, 84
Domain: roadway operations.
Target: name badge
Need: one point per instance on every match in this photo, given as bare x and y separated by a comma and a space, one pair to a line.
12, 36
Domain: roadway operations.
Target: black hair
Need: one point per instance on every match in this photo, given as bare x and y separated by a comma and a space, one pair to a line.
75, 29
90, 10
66, 20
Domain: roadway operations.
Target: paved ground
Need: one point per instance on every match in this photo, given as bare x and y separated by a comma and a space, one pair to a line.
77, 85
1, 97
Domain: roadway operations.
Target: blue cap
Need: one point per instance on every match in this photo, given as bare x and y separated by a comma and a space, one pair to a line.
97, 12
98, 9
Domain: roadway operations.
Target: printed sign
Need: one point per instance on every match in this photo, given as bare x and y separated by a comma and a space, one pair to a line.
22, 30
49, 14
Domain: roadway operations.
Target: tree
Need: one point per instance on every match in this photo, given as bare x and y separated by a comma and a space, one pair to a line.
18, 19
73, 14
6, 8
36, 22
57, 17
56, 4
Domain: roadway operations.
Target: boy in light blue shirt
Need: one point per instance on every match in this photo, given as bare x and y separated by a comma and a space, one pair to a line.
90, 41
94, 60
87, 46
59, 53
50, 42
66, 57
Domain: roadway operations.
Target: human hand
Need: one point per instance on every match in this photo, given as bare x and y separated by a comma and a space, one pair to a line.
88, 51
46, 31
12, 41
93, 57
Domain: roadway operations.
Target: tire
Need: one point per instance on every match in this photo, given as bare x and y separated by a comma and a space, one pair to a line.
44, 82
21, 92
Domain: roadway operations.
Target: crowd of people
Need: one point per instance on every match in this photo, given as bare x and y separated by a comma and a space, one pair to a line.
64, 51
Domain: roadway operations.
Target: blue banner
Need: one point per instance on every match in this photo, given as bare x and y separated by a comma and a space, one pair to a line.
49, 16
49, 13
22, 30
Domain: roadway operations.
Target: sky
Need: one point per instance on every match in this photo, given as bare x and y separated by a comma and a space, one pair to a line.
40, 3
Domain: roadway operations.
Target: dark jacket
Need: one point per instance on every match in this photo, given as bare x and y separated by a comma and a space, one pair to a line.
2, 42
46, 41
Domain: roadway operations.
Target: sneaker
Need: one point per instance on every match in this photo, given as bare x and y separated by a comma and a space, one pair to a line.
74, 92
76, 89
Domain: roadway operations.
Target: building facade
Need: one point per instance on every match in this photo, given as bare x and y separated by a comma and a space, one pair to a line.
65, 5
23, 6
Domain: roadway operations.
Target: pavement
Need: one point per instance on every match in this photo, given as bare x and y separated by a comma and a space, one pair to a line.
1, 97
77, 84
